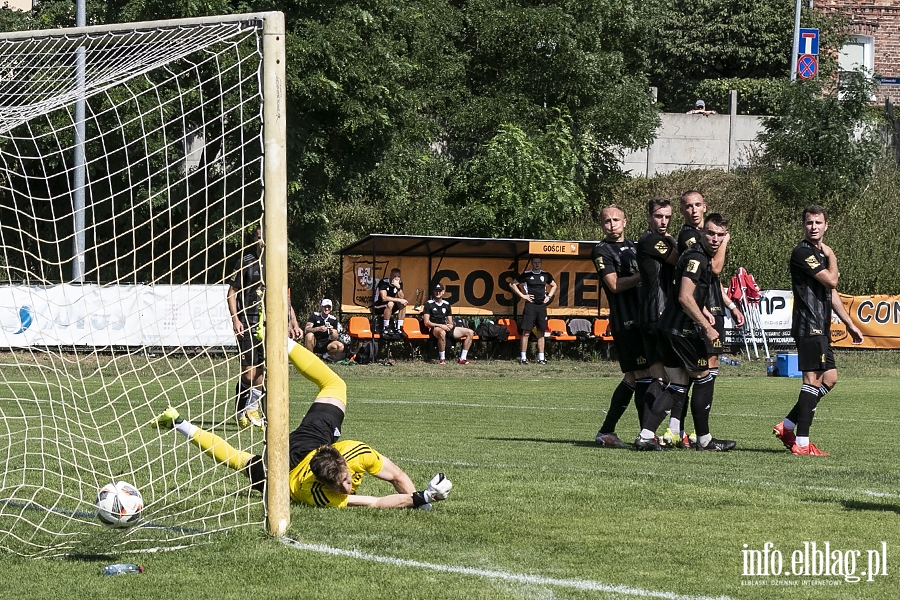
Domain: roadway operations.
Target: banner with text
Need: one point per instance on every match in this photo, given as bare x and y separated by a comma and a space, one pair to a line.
474, 286
116, 315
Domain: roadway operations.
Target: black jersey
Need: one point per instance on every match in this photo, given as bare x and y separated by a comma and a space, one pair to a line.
619, 258
687, 237
246, 280
656, 275
317, 319
812, 299
438, 314
695, 264
391, 289
535, 284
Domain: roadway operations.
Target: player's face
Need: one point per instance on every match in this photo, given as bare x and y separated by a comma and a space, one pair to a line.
659, 219
613, 221
438, 294
345, 486
712, 238
814, 227
536, 264
692, 209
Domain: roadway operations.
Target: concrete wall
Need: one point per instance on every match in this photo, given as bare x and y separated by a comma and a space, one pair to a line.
697, 141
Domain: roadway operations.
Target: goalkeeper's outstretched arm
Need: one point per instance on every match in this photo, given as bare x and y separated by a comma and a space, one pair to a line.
438, 489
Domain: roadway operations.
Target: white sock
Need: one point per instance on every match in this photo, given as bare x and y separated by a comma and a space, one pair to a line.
253, 402
523, 356
442, 355
400, 324
803, 440
647, 434
675, 424
387, 324
186, 428
788, 424
540, 356
703, 440
462, 354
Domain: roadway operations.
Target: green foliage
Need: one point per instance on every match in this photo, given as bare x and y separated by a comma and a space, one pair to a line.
824, 141
696, 41
754, 96
527, 184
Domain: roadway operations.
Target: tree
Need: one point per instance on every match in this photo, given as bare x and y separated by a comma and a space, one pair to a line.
825, 140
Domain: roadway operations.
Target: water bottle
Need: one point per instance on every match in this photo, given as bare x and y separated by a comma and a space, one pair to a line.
122, 569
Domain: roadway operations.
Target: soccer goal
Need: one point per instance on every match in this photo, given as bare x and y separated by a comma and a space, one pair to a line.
134, 161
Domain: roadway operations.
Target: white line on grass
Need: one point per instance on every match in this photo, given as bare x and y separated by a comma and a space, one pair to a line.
578, 584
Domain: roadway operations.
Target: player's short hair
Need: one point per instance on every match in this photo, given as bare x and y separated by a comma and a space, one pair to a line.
716, 219
612, 206
329, 466
395, 273
655, 203
685, 195
814, 209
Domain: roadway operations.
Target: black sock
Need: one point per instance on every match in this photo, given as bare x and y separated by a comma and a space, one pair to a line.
659, 405
701, 403
242, 391
618, 404
640, 391
809, 396
823, 389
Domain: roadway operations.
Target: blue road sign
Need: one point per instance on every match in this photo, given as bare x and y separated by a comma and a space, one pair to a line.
809, 42
807, 66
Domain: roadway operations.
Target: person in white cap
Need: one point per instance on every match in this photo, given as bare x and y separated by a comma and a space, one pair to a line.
700, 109
321, 333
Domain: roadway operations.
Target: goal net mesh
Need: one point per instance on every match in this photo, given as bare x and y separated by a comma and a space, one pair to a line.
173, 166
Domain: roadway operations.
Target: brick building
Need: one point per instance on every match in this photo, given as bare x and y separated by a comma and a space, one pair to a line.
875, 41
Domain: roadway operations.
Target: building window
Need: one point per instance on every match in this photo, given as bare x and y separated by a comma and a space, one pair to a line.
858, 54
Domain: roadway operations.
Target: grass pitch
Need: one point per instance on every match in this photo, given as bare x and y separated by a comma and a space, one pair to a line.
539, 511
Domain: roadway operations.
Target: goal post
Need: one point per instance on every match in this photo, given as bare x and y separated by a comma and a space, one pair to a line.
184, 153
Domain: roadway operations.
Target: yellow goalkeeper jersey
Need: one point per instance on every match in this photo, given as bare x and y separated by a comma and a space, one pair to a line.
361, 459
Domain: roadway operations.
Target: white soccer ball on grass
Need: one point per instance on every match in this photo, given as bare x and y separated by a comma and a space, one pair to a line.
119, 504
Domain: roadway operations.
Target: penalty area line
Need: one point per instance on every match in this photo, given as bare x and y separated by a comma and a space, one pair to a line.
578, 584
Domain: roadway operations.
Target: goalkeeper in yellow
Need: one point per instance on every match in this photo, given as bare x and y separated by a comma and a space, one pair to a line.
324, 471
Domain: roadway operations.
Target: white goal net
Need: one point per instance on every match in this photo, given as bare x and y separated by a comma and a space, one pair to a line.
113, 277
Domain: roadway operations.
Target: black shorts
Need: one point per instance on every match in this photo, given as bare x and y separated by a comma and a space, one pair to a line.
321, 345
534, 314
252, 350
320, 426
719, 347
654, 344
685, 353
379, 308
630, 350
815, 354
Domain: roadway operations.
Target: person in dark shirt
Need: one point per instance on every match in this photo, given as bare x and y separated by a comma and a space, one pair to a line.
615, 259
657, 254
389, 299
532, 287
437, 316
693, 210
321, 333
814, 279
688, 328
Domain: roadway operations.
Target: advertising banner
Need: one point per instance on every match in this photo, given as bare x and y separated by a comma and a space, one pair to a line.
474, 286
116, 315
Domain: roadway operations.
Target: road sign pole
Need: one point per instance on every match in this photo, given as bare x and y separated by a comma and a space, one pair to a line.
795, 54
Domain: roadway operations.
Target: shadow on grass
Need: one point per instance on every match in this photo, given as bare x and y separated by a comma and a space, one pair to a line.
873, 506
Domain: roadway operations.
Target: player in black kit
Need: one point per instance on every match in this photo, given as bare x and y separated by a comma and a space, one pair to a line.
389, 299
438, 317
615, 259
531, 286
814, 278
657, 255
688, 327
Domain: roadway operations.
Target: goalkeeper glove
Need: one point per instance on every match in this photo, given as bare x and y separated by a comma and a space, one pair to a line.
438, 488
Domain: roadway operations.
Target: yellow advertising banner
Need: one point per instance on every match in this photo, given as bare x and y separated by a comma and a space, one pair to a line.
878, 318
474, 286
545, 248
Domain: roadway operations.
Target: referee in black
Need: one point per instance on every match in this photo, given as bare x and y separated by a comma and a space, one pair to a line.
537, 288
814, 278
615, 259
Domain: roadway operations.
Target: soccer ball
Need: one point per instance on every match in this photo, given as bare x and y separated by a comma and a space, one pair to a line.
119, 504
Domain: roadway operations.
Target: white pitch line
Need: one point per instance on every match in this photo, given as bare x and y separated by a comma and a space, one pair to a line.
578, 584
